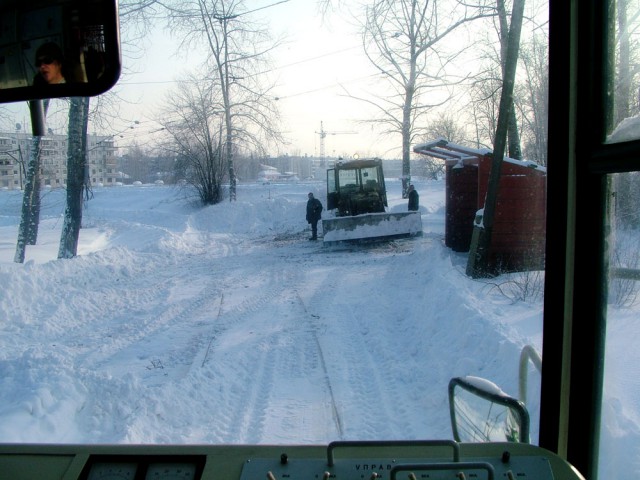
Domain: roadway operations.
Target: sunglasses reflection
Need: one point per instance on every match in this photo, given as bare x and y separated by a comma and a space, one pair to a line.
49, 61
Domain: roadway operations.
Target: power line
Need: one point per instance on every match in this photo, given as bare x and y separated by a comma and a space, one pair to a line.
326, 87
293, 64
262, 8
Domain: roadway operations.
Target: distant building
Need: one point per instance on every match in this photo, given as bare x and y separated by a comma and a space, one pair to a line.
15, 151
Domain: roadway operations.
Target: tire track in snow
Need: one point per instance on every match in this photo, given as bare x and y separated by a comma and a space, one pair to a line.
380, 362
247, 420
268, 363
236, 347
143, 338
356, 346
205, 354
368, 394
376, 363
268, 337
334, 407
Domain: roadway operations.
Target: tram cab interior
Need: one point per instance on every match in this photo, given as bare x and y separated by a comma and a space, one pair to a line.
574, 305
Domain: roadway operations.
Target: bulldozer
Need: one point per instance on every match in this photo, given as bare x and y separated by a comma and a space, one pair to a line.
357, 198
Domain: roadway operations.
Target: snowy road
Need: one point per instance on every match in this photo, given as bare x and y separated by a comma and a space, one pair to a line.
226, 325
263, 347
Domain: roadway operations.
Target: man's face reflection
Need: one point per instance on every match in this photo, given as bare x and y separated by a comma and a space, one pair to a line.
50, 69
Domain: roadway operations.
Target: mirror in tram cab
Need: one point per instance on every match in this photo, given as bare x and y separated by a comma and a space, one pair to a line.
482, 412
58, 48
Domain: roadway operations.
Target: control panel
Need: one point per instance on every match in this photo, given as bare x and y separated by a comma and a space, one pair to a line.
443, 462
345, 460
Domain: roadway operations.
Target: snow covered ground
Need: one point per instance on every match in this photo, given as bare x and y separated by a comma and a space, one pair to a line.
224, 324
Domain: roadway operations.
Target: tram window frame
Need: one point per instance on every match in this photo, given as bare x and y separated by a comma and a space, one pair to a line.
577, 190
573, 347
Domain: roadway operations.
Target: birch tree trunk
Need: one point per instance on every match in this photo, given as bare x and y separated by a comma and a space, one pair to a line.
27, 232
30, 218
76, 165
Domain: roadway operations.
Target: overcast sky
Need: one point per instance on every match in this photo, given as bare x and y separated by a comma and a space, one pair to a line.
318, 60
319, 63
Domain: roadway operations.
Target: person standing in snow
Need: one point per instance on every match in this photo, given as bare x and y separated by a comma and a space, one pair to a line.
314, 213
414, 199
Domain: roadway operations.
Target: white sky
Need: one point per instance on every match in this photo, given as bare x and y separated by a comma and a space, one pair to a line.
320, 58
316, 59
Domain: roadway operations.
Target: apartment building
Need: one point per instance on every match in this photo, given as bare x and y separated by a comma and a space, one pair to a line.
16, 149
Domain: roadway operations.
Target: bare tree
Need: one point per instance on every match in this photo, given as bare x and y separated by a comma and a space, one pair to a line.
477, 264
76, 176
527, 132
624, 71
196, 131
78, 182
136, 163
444, 126
28, 230
136, 14
485, 98
404, 41
513, 137
237, 53
624, 83
30, 216
625, 61
532, 99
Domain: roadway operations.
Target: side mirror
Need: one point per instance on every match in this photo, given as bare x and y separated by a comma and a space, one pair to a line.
482, 412
58, 48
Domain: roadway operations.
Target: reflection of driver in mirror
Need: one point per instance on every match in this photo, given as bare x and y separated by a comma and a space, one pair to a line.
50, 64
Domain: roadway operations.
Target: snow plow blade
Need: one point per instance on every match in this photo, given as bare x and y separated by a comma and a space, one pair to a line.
372, 226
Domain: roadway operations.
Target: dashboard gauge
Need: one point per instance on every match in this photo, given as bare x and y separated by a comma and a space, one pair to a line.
171, 471
113, 471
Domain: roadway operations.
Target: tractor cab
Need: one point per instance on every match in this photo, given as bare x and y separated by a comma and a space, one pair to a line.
356, 187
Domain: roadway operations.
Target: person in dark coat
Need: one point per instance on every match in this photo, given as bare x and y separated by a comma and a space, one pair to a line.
314, 213
414, 199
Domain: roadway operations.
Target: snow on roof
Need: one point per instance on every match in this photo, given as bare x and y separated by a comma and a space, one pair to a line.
444, 147
448, 151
